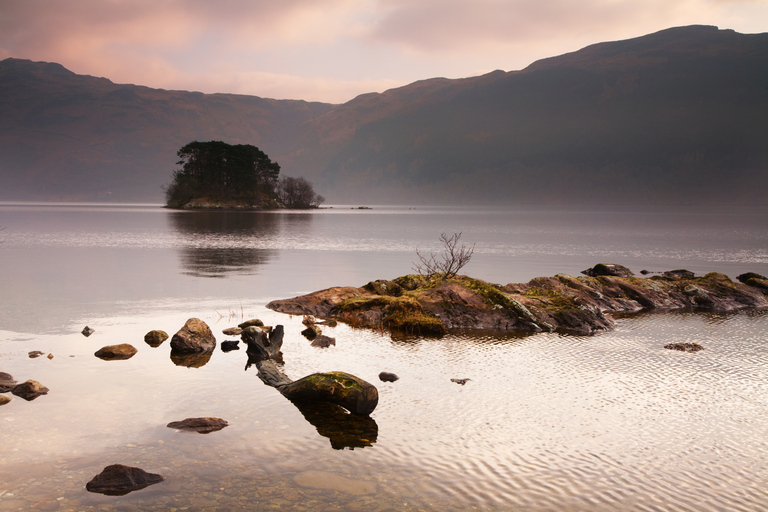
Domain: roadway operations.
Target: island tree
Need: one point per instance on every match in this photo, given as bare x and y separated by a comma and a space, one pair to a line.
219, 173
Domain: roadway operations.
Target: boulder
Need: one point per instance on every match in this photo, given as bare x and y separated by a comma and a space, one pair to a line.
116, 352
254, 322
29, 390
155, 338
323, 341
4, 399
87, 331
608, 269
194, 337
684, 347
200, 425
388, 377
6, 382
117, 480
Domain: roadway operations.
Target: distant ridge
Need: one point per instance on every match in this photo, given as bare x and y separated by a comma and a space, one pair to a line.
675, 117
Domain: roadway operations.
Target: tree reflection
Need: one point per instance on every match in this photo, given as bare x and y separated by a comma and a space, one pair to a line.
215, 243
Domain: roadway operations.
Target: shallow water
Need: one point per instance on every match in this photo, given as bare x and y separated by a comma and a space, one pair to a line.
546, 421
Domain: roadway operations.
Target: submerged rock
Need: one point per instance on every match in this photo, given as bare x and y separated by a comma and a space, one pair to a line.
29, 390
155, 338
118, 480
116, 352
194, 337
334, 482
679, 273
7, 382
684, 347
323, 341
200, 425
4, 399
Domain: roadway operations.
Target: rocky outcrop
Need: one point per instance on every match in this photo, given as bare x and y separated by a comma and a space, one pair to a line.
116, 352
200, 425
582, 305
194, 337
118, 480
29, 390
608, 269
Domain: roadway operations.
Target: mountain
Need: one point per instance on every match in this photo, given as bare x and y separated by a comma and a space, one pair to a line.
675, 117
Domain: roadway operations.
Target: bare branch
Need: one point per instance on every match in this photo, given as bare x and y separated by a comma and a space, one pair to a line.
453, 259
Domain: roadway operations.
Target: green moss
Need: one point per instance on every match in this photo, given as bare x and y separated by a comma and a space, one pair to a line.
492, 295
403, 313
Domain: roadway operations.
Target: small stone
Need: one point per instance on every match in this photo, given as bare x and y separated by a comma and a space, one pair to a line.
311, 332
200, 425
118, 480
230, 345
155, 338
50, 356
388, 377
4, 399
87, 331
233, 331
460, 381
35, 353
29, 390
116, 352
6, 382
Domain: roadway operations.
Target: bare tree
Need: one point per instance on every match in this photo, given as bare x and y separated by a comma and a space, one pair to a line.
451, 261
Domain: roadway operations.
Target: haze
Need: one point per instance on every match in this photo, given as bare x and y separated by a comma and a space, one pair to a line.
330, 50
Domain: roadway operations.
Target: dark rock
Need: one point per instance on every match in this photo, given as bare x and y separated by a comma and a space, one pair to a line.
679, 273
35, 353
311, 332
460, 381
388, 377
6, 382
645, 272
194, 337
87, 331
155, 338
323, 341
118, 480
754, 280
4, 399
200, 425
233, 331
254, 322
29, 390
230, 345
608, 269
263, 345
684, 347
116, 352
750, 275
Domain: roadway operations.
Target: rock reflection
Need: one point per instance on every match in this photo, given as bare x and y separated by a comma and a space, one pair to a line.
345, 430
190, 360
218, 241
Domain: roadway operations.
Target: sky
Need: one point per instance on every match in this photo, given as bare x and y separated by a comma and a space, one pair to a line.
331, 50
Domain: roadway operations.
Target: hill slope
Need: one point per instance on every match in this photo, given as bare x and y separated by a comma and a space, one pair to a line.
679, 116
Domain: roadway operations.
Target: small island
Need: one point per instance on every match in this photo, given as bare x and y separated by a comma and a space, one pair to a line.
217, 175
424, 305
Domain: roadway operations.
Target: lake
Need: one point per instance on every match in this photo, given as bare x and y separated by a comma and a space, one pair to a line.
547, 422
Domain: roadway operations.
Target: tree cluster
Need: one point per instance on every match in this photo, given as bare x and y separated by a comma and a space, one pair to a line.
241, 173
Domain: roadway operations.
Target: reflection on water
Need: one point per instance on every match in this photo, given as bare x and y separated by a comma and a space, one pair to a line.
208, 249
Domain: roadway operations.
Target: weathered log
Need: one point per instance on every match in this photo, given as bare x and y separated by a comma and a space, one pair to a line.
262, 345
352, 393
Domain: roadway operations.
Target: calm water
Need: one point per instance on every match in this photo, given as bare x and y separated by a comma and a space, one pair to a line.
547, 422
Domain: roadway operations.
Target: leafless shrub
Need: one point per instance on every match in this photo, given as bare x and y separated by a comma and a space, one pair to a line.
449, 263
